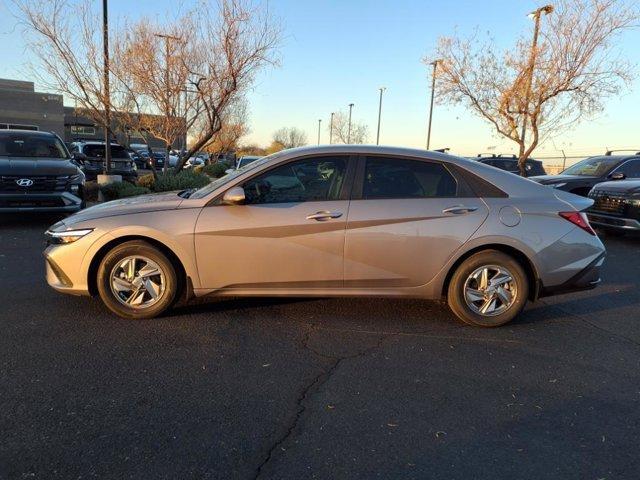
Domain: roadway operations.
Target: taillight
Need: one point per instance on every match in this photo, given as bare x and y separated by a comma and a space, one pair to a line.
579, 219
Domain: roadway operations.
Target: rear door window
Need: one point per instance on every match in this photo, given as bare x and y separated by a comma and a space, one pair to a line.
388, 177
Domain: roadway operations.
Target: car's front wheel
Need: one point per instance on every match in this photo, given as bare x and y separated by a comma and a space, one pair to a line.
136, 280
488, 289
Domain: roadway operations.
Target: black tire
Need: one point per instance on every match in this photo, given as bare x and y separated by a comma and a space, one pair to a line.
613, 232
456, 290
143, 249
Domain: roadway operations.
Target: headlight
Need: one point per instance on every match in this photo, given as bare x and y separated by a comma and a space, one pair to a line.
66, 236
557, 185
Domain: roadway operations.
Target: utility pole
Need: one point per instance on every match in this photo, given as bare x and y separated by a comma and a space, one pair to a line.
382, 89
106, 93
433, 90
319, 123
349, 131
547, 9
167, 110
331, 128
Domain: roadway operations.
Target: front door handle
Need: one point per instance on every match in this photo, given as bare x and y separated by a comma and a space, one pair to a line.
459, 209
324, 215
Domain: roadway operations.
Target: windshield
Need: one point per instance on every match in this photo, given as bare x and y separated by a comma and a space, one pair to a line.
97, 151
206, 190
31, 146
593, 167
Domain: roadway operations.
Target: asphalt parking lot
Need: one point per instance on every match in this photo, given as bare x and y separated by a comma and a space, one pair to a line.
296, 389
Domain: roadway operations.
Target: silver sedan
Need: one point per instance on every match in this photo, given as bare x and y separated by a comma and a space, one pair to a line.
335, 221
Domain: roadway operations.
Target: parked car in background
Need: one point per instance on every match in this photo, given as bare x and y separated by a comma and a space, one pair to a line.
510, 164
194, 162
243, 162
340, 220
583, 176
616, 207
37, 173
90, 155
138, 159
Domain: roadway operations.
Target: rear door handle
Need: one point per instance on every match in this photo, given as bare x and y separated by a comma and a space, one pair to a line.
459, 209
324, 215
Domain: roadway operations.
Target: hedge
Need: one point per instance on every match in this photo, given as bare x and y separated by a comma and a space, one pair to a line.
113, 191
216, 170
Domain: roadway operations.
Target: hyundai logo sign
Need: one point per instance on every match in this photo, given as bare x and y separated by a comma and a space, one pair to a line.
24, 182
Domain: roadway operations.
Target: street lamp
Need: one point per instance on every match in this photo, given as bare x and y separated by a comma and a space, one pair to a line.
382, 89
107, 95
331, 129
433, 89
535, 15
349, 131
166, 86
319, 123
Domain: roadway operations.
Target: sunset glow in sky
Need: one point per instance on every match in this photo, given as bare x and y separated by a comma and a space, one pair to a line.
340, 52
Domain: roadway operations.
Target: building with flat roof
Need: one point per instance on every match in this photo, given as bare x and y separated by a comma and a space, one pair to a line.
23, 108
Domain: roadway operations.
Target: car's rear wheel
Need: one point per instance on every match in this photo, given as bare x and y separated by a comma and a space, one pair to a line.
488, 289
136, 280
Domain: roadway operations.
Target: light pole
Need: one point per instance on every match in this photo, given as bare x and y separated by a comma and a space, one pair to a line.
319, 123
167, 109
382, 89
349, 131
331, 128
107, 94
433, 90
547, 9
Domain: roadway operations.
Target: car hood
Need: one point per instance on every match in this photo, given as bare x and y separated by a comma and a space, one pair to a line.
550, 179
125, 206
36, 166
621, 186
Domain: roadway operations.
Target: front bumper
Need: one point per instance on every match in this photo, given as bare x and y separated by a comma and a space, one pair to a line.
57, 202
610, 221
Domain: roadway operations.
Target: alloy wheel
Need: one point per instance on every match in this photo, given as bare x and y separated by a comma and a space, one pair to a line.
137, 282
490, 290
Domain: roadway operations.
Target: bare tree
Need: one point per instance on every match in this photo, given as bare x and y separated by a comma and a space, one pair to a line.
230, 42
65, 38
234, 127
341, 134
533, 91
151, 76
290, 137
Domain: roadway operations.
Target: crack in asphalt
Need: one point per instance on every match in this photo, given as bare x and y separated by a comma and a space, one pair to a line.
311, 388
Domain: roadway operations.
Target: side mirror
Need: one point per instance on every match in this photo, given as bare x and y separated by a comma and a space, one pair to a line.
234, 196
617, 176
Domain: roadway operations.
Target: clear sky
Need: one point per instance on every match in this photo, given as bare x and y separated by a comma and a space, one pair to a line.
337, 52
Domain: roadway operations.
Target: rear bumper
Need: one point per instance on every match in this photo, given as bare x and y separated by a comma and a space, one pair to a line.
59, 202
586, 279
91, 173
609, 221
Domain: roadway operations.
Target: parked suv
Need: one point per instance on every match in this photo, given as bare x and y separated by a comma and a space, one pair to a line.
616, 207
38, 174
583, 176
90, 154
510, 164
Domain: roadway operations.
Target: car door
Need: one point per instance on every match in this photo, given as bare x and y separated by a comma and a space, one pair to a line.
289, 234
406, 219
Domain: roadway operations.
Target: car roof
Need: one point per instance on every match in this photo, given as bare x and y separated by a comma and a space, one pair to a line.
619, 158
36, 133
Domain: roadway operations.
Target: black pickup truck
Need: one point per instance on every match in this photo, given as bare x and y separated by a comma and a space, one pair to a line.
616, 207
38, 174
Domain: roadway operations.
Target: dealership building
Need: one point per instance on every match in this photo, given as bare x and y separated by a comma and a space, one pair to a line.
22, 107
